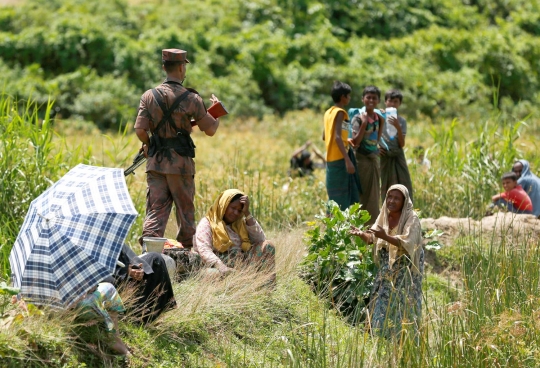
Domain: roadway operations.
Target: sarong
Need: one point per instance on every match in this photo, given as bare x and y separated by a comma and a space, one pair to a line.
370, 175
396, 298
394, 170
342, 187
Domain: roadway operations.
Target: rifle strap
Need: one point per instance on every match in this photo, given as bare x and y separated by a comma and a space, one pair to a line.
167, 112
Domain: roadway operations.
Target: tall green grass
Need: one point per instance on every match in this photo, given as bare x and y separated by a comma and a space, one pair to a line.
467, 160
29, 163
492, 320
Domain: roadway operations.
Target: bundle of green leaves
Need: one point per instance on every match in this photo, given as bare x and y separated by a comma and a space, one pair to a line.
339, 265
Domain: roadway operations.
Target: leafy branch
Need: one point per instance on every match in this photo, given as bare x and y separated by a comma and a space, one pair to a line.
338, 265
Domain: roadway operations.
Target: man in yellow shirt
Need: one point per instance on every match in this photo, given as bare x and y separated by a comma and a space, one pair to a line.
342, 183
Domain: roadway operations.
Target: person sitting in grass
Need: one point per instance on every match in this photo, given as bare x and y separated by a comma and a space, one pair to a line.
342, 184
514, 198
529, 182
229, 237
420, 156
396, 295
366, 140
147, 277
301, 162
101, 303
105, 303
394, 169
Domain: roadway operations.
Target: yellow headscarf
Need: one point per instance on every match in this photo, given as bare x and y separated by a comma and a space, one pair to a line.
220, 237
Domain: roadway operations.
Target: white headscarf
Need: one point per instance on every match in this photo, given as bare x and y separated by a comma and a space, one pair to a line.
409, 230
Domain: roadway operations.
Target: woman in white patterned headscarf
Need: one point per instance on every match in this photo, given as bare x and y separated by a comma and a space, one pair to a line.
396, 297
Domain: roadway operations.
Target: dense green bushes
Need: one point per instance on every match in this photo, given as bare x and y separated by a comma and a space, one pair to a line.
96, 58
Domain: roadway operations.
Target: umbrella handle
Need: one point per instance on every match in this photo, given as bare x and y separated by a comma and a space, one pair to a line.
43, 217
120, 264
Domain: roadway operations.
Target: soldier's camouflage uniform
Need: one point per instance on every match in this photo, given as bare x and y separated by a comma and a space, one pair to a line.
170, 181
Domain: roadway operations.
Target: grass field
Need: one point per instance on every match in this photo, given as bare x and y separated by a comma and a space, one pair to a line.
488, 318
467, 160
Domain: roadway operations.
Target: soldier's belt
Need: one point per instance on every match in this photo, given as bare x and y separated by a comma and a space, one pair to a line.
182, 145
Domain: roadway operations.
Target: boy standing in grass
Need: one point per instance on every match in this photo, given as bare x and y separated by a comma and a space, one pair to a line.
394, 169
514, 198
370, 125
342, 182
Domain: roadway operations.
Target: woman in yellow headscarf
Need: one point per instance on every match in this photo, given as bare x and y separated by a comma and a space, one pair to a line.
229, 235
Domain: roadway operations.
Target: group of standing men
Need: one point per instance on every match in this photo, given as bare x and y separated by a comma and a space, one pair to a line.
364, 158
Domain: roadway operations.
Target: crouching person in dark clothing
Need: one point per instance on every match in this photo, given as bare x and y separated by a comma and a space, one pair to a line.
150, 282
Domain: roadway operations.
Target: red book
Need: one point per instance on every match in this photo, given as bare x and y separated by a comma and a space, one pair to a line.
216, 110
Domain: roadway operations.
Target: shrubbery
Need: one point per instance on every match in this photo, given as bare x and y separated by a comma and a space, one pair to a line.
339, 265
96, 58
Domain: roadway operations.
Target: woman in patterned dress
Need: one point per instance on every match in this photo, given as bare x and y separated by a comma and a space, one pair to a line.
229, 236
396, 297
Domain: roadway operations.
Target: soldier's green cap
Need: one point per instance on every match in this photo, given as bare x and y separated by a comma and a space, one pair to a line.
174, 55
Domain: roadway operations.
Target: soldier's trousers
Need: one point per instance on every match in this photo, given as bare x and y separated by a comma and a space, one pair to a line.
164, 190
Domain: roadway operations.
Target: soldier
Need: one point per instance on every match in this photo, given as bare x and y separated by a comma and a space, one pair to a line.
163, 125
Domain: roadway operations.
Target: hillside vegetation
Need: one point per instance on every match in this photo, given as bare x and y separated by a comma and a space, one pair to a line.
450, 57
72, 73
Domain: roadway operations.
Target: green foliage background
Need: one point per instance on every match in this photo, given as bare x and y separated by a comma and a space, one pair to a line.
95, 58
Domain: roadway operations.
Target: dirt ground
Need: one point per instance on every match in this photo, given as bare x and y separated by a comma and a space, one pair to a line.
511, 226
500, 224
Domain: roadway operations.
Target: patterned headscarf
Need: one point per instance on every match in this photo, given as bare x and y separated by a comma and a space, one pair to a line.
220, 237
409, 230
531, 185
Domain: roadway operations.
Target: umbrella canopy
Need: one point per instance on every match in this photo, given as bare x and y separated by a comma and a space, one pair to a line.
72, 236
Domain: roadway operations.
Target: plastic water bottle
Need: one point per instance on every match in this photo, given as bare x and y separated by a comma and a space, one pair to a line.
390, 129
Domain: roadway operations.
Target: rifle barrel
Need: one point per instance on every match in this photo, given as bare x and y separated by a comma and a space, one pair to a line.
138, 161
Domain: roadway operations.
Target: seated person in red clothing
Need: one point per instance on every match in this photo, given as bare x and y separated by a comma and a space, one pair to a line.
514, 198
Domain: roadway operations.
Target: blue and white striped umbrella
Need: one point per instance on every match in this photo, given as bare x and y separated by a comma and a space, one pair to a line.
72, 236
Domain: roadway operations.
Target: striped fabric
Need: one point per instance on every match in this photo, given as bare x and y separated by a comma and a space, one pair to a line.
72, 236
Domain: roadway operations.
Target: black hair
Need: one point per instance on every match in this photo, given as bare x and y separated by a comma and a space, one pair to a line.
393, 93
304, 154
171, 66
236, 197
510, 175
418, 150
340, 89
372, 89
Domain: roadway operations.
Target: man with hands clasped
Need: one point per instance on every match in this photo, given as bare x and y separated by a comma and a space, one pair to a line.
229, 237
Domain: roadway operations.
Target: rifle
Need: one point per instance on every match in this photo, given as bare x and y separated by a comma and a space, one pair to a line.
137, 161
